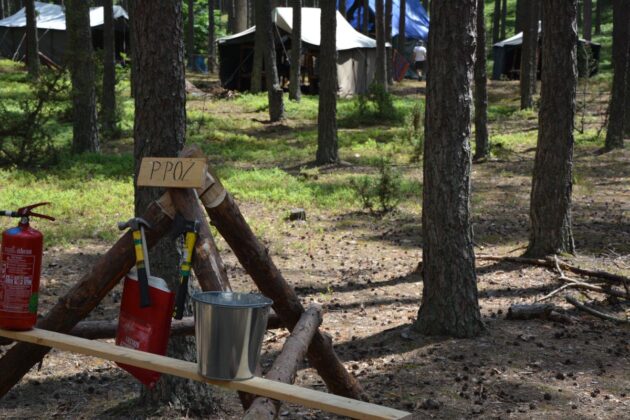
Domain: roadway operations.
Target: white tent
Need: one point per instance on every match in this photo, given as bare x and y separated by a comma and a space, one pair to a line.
355, 51
51, 27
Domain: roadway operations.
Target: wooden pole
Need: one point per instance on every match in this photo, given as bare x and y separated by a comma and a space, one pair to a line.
285, 366
84, 296
254, 257
277, 390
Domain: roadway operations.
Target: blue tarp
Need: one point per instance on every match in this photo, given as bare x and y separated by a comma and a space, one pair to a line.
416, 19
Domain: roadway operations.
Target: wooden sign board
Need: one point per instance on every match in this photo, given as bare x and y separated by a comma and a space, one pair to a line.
172, 172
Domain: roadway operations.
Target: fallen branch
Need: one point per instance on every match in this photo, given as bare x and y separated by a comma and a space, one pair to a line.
286, 364
595, 312
611, 277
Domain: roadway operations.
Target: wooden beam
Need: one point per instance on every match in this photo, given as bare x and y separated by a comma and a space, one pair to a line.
276, 390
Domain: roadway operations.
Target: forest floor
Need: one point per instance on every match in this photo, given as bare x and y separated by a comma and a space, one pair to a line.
363, 269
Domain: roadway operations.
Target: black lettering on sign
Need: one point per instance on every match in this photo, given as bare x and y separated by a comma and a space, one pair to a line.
188, 170
179, 168
155, 166
169, 168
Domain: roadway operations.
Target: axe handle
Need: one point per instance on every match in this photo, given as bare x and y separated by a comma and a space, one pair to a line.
143, 277
182, 290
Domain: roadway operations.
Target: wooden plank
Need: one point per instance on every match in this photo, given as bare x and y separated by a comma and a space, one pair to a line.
260, 386
172, 172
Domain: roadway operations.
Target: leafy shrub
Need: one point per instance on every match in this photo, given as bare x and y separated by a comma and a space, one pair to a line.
376, 106
380, 194
24, 138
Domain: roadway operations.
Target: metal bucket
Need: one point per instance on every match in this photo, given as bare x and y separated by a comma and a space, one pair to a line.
229, 328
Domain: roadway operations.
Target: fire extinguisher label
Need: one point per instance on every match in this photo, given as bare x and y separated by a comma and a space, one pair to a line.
16, 285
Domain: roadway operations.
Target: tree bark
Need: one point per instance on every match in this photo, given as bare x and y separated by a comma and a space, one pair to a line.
343, 8
327, 141
388, 38
285, 366
588, 20
504, 19
295, 92
402, 26
82, 298
381, 54
212, 57
240, 18
449, 299
32, 49
550, 207
260, 46
159, 130
481, 89
496, 21
108, 104
598, 17
274, 90
1, 9
81, 62
619, 102
529, 51
190, 34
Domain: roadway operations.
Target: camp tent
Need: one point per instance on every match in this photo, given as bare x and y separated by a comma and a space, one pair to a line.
51, 31
416, 18
507, 56
354, 50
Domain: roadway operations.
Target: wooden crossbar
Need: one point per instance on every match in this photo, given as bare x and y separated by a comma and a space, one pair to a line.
259, 386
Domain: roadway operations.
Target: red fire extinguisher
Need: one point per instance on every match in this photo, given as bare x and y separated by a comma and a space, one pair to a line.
20, 268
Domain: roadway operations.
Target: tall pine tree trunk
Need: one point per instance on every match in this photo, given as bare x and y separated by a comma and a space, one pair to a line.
296, 49
81, 63
550, 207
365, 17
274, 91
496, 21
211, 31
388, 38
381, 54
521, 6
588, 20
343, 8
240, 17
159, 130
1, 9
619, 102
260, 46
327, 143
190, 34
481, 90
528, 53
108, 104
402, 26
504, 19
598, 17
449, 299
32, 48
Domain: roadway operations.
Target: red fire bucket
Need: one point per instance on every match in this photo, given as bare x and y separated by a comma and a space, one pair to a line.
145, 329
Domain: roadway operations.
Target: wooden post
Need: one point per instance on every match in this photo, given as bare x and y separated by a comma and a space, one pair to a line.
285, 366
254, 257
84, 296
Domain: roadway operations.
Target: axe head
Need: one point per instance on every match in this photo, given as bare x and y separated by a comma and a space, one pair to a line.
182, 225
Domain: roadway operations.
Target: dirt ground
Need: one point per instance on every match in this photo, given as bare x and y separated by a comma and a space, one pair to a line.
363, 270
